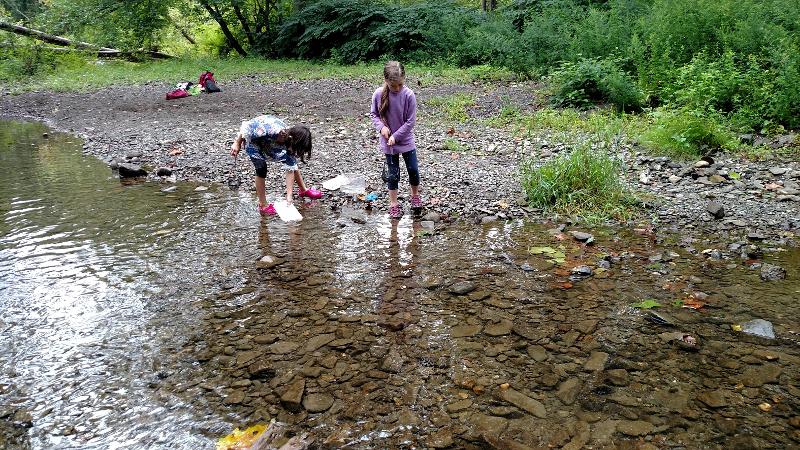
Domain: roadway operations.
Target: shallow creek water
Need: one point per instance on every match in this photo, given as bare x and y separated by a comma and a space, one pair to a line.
135, 318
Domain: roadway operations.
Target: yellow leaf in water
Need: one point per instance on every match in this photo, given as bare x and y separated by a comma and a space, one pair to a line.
241, 440
736, 327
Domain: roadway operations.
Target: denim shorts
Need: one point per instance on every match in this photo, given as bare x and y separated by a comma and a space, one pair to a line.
276, 153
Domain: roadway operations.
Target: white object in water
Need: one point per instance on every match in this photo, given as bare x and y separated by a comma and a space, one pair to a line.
335, 183
287, 212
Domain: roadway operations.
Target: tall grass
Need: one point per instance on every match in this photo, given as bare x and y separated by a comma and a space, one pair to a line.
584, 182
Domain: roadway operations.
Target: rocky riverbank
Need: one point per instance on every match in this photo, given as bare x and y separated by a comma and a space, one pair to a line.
189, 139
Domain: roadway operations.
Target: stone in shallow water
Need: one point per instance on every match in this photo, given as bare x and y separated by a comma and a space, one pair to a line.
317, 402
759, 327
596, 362
465, 330
634, 427
462, 288
524, 402
714, 399
760, 375
568, 391
294, 395
771, 272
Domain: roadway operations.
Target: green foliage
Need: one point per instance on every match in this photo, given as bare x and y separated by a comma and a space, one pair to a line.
454, 107
453, 145
350, 31
687, 134
125, 25
28, 59
584, 182
497, 43
592, 81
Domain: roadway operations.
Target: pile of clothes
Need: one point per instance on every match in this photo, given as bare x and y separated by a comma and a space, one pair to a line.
206, 83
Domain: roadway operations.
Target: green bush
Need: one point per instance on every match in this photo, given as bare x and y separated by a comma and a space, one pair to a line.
584, 182
497, 43
29, 60
686, 134
592, 81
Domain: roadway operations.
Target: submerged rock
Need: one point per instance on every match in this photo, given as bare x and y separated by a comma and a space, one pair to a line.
131, 171
759, 327
771, 272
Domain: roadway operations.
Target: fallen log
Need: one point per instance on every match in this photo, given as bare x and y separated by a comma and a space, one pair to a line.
51, 38
101, 52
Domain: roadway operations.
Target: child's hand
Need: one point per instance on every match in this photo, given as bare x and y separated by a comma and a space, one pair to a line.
385, 132
235, 149
390, 141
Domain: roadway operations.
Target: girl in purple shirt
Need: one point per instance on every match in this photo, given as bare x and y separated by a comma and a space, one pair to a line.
394, 113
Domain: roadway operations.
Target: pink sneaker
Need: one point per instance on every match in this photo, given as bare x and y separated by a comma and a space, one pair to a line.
311, 193
395, 212
268, 210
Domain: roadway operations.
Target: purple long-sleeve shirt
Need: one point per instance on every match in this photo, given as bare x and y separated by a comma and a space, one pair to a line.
401, 117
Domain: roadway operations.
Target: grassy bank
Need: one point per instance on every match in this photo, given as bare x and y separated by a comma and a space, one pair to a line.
62, 74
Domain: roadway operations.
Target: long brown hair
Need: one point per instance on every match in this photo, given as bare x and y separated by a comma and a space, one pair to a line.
393, 72
299, 141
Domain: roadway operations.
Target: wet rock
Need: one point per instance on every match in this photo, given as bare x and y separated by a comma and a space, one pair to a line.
317, 402
701, 164
568, 391
268, 262
582, 237
393, 363
771, 272
261, 369
462, 288
459, 406
582, 271
760, 375
759, 327
596, 362
501, 328
714, 399
484, 424
265, 339
537, 352
293, 396
431, 217
320, 341
283, 347
586, 326
716, 210
634, 427
164, 171
131, 171
523, 402
234, 398
465, 330
618, 377
488, 219
440, 439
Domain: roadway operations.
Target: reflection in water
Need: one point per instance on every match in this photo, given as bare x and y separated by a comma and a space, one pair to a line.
88, 267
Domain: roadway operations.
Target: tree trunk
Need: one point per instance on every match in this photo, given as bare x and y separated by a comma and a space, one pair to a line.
223, 25
245, 25
53, 39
